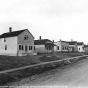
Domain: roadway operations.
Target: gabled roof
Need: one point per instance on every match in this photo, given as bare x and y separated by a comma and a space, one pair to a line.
62, 41
80, 43
72, 42
13, 33
42, 42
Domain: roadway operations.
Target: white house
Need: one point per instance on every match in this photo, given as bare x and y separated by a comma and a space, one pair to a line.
61, 46
73, 46
80, 46
44, 46
17, 43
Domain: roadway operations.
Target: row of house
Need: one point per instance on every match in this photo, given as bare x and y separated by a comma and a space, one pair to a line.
48, 46
21, 43
68, 46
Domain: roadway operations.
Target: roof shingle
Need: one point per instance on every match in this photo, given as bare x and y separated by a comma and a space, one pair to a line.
42, 41
12, 34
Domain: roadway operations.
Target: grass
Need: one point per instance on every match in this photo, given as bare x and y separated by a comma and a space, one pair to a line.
63, 55
23, 73
48, 58
9, 62
7, 78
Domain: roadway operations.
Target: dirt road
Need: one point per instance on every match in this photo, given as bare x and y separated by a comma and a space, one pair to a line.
69, 76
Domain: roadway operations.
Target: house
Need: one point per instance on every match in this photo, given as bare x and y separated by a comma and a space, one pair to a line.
73, 46
61, 46
80, 46
44, 45
17, 43
86, 48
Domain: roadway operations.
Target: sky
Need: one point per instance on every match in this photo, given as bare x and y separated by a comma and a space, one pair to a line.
51, 19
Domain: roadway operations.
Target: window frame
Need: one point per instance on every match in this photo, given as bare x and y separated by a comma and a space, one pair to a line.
25, 37
31, 47
79, 48
58, 47
5, 47
4, 39
63, 48
20, 47
26, 48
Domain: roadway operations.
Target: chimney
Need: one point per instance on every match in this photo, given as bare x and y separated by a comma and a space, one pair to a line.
39, 37
60, 39
53, 41
71, 39
10, 29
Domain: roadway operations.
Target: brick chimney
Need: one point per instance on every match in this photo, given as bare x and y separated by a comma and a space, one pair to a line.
53, 41
71, 39
39, 37
10, 29
60, 39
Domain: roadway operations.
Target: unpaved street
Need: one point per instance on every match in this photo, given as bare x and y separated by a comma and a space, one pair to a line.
69, 76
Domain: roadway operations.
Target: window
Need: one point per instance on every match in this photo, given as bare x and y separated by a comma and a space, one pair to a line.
4, 39
57, 47
22, 47
31, 47
25, 48
49, 48
19, 47
63, 48
26, 37
79, 48
34, 47
5, 47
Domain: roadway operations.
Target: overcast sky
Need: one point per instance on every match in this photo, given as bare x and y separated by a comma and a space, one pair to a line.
52, 19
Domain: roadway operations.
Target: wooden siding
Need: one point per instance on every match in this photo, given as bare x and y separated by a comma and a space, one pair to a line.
11, 43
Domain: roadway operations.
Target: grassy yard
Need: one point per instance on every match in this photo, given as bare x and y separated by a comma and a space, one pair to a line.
63, 55
9, 62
